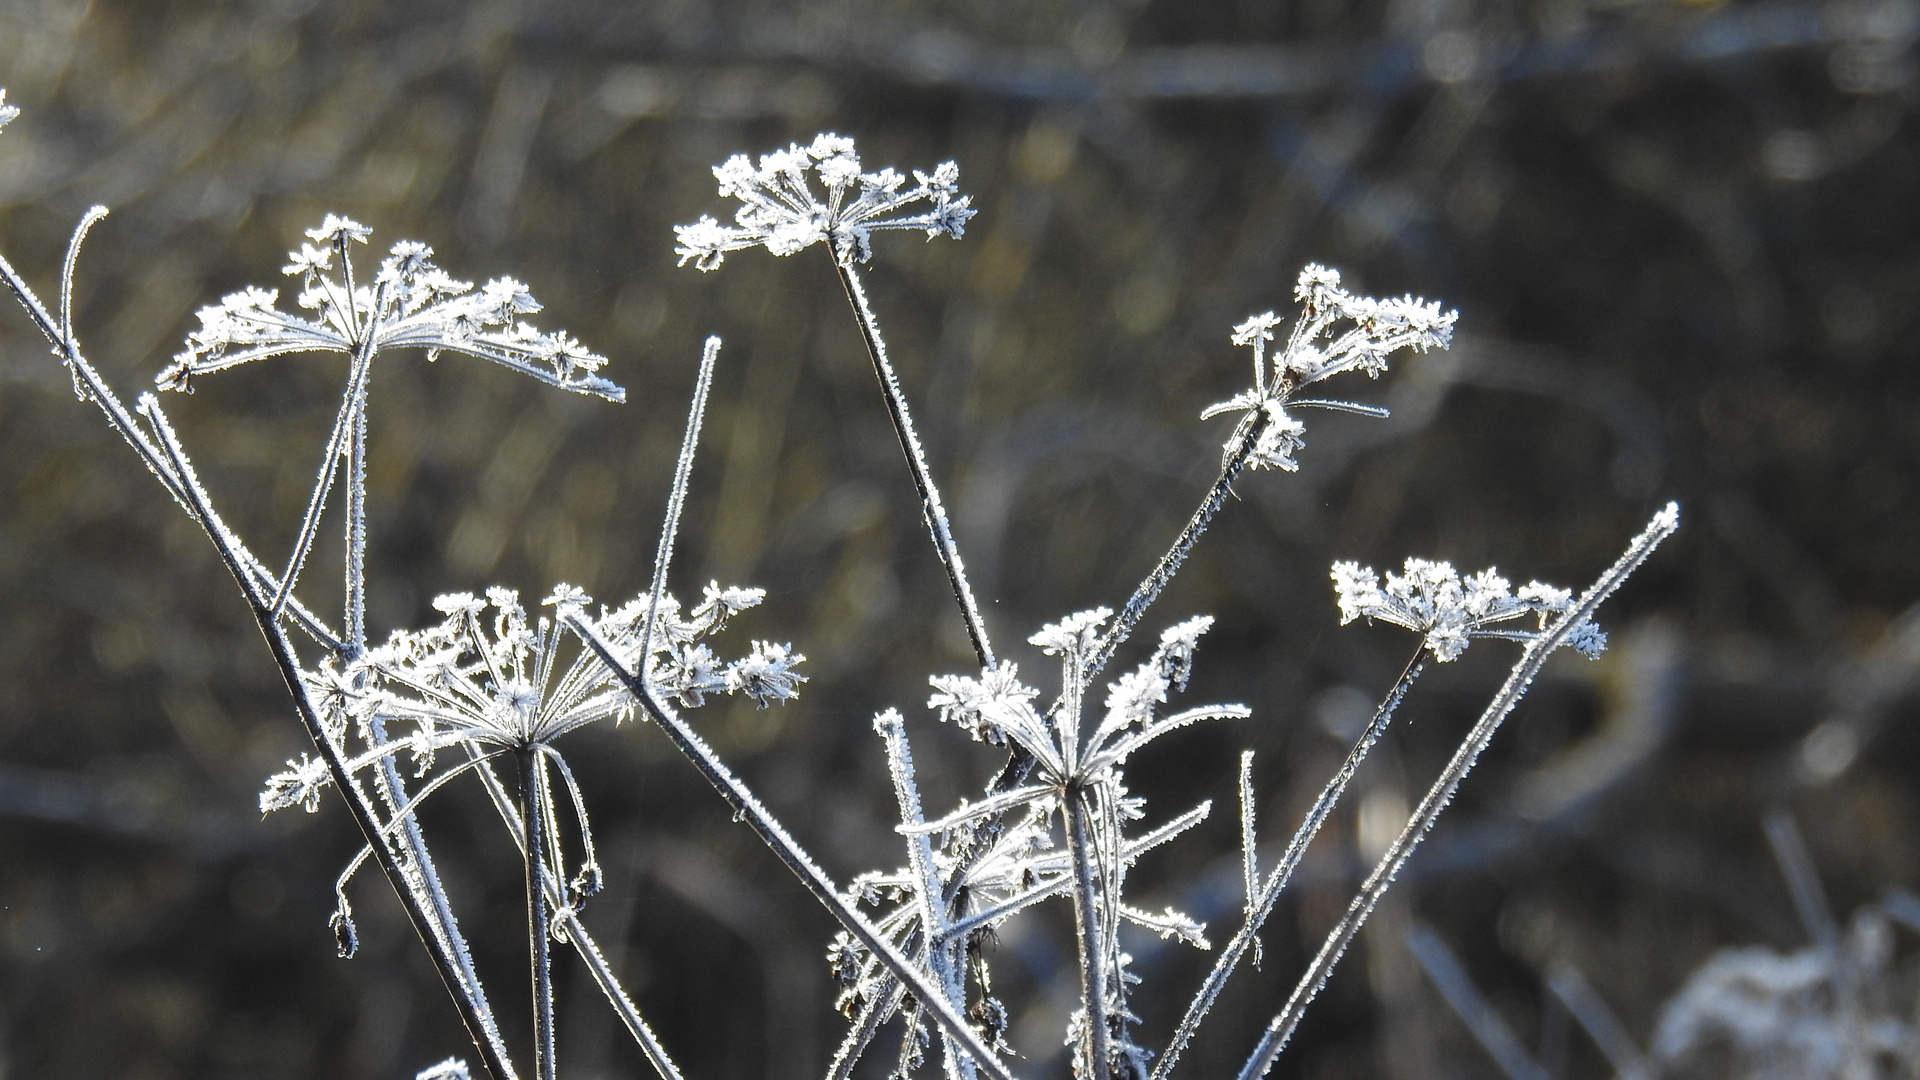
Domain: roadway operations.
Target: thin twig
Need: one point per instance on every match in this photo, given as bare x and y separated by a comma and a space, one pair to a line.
1088, 921
577, 933
1456, 986
676, 499
1606, 1030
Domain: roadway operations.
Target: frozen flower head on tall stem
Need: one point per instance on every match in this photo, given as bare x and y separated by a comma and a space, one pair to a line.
805, 195
410, 303
491, 681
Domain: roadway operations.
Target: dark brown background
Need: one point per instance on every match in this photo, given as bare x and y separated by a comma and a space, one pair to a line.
1682, 237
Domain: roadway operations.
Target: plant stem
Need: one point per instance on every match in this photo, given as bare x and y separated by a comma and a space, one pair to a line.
1163, 571
577, 934
932, 509
170, 465
442, 939
1262, 906
537, 943
942, 958
749, 809
1282, 1027
1089, 922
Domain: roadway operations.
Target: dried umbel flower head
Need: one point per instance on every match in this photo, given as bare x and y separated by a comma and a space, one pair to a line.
802, 195
1317, 349
410, 303
1431, 599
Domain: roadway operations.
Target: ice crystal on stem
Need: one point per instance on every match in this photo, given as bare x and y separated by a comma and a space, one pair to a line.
802, 195
1431, 599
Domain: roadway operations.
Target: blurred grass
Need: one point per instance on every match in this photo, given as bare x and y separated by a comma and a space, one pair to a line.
1681, 236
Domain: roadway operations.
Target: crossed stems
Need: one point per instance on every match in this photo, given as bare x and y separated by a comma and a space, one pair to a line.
1261, 896
403, 858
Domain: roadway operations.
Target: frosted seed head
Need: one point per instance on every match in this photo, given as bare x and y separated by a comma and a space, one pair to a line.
338, 230
300, 785
766, 675
1072, 636
804, 195
1256, 329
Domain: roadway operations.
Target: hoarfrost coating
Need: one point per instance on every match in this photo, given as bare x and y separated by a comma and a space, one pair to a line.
493, 683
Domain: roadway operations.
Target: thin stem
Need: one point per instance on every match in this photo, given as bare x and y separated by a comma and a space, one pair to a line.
1281, 1029
534, 820
1089, 924
1163, 571
1259, 908
356, 620
442, 939
1590, 1009
577, 934
749, 809
931, 507
676, 499
941, 958
323, 485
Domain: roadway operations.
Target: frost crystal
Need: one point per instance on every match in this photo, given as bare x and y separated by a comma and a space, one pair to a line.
1314, 351
782, 209
1430, 598
411, 303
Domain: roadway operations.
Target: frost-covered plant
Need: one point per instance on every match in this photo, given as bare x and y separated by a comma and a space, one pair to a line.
489, 683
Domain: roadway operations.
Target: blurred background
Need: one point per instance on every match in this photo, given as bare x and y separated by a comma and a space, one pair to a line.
1684, 242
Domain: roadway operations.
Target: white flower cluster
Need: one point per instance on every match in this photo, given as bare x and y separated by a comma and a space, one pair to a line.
411, 303
493, 679
1314, 351
782, 210
1431, 599
997, 708
7, 112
